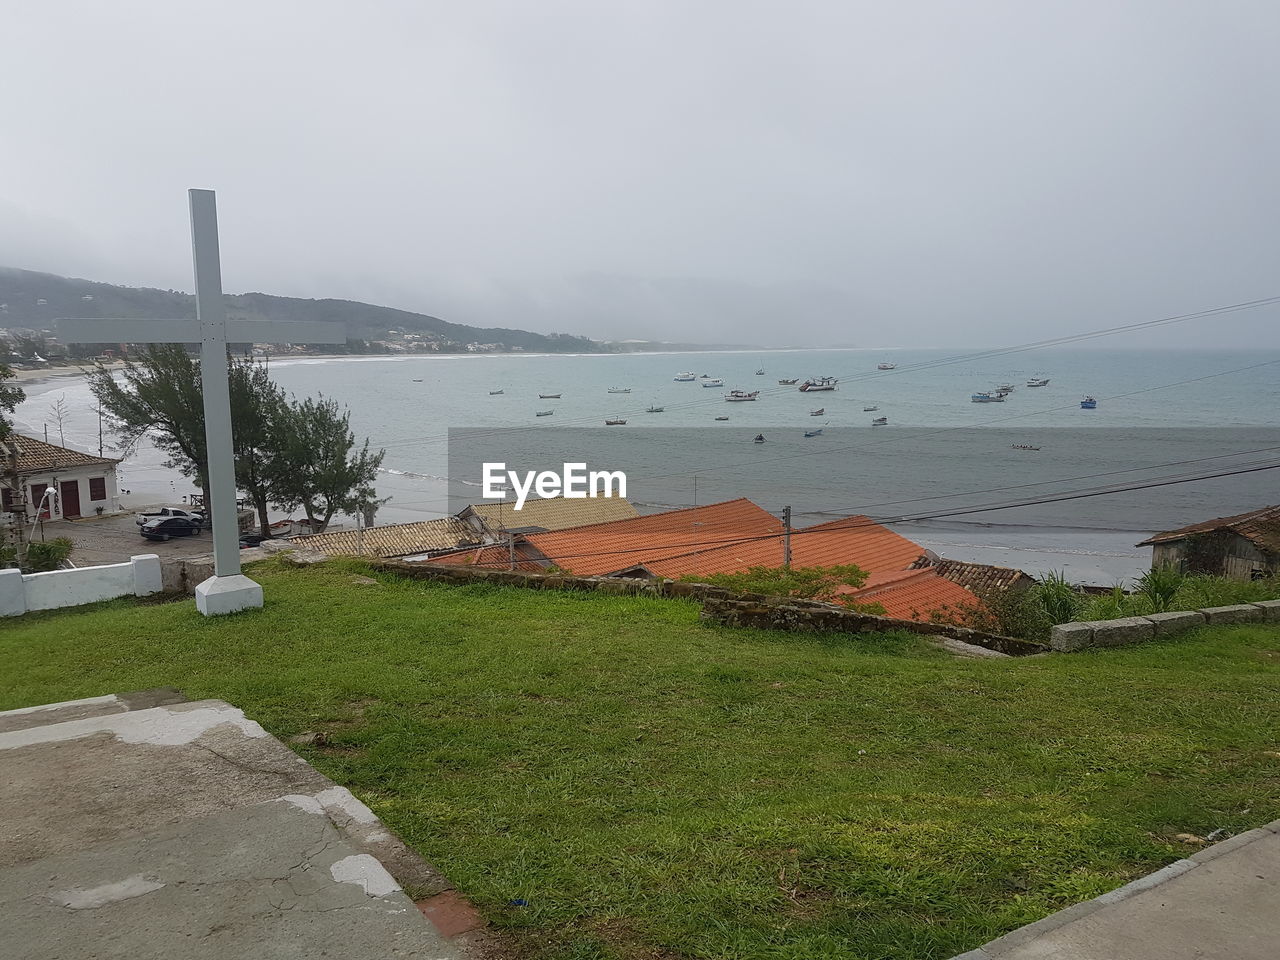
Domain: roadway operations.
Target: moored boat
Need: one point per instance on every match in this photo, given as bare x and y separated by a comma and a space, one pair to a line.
870, 409
818, 385
985, 397
817, 413
686, 378
654, 409
886, 366
759, 438
760, 372
789, 383
1088, 403
722, 418
813, 433
544, 413
1038, 382
548, 396
880, 421
619, 390
615, 422
711, 381
741, 396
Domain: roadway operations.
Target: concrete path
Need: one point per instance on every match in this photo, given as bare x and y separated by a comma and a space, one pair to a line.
147, 827
1223, 902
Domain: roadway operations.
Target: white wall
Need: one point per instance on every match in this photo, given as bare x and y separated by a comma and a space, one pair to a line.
23, 592
80, 475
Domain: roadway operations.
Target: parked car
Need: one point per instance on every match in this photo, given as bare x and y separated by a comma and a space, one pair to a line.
166, 528
192, 515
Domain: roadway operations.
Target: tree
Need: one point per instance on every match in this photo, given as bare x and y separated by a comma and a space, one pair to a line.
10, 396
319, 467
259, 421
158, 395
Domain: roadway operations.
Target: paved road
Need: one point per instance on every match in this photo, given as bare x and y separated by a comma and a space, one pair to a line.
115, 539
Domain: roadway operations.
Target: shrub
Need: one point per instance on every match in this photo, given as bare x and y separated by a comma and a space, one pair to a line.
41, 556
807, 583
1160, 585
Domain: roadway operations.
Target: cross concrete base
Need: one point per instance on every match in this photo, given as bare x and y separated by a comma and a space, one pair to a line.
219, 595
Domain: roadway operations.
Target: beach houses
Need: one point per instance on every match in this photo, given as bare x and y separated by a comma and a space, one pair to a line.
39, 479
1244, 547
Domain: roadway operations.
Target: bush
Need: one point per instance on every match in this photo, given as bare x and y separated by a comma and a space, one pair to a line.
41, 556
807, 583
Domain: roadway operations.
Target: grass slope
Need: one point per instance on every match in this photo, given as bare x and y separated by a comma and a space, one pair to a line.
655, 787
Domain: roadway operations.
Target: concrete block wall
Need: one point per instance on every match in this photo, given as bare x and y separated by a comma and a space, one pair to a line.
24, 592
1069, 637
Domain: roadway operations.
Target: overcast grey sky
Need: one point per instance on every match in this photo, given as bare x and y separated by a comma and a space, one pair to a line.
831, 173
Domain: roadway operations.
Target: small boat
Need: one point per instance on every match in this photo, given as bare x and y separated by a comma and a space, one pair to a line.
1004, 388
686, 378
817, 413
1038, 382
813, 433
818, 385
544, 413
654, 409
417, 380
619, 390
722, 418
1088, 403
711, 381
759, 438
1023, 446
871, 409
886, 366
548, 396
615, 422
984, 397
760, 372
789, 383
741, 396
495, 393
880, 421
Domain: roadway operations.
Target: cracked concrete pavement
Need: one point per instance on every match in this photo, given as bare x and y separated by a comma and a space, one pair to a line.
144, 827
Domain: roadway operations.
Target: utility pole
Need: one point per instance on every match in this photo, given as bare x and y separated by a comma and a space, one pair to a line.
786, 537
695, 489
17, 506
99, 411
360, 529
511, 551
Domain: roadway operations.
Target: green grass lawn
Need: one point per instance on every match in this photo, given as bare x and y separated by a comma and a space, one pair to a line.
654, 787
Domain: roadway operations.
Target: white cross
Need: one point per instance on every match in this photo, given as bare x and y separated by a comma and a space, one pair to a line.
228, 590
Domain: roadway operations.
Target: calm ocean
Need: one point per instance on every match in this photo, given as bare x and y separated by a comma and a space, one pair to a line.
939, 452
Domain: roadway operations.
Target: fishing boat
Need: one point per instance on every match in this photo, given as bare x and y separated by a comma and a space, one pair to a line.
818, 385
619, 390
722, 418
880, 421
984, 397
1004, 387
544, 413
711, 381
760, 372
741, 396
759, 438
686, 378
1038, 382
886, 366
1023, 446
1088, 403
813, 433
789, 383
817, 413
615, 422
654, 409
548, 396
495, 393
871, 409
417, 380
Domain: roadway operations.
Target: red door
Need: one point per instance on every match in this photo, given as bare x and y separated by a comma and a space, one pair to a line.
70, 499
37, 494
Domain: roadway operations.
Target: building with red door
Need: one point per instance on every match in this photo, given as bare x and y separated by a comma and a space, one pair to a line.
44, 480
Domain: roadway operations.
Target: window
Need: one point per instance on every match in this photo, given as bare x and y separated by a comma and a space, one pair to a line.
6, 499
97, 488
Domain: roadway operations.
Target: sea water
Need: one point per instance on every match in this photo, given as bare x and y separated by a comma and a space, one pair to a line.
939, 453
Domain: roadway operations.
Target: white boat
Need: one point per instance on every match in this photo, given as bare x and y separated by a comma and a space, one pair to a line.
984, 397
1038, 382
789, 383
760, 372
818, 385
1005, 387
619, 390
544, 413
741, 396
686, 378
869, 409
817, 413
880, 421
722, 418
886, 366
711, 381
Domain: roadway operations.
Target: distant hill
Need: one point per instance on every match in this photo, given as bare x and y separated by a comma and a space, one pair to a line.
34, 300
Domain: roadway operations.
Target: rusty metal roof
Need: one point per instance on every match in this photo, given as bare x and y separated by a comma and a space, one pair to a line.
1259, 527
36, 456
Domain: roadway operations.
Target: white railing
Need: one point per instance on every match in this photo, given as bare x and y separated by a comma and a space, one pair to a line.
24, 592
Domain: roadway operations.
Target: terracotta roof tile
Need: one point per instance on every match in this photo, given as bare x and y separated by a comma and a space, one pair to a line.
496, 556
394, 540
36, 456
982, 577
1260, 527
913, 594
553, 513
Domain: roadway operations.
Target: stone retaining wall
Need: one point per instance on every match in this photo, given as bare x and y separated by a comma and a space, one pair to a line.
1069, 637
720, 605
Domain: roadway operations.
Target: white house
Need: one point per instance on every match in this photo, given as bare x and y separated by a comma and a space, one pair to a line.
61, 483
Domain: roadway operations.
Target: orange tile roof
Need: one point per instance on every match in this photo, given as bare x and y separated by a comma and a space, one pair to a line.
496, 556
912, 594
36, 456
